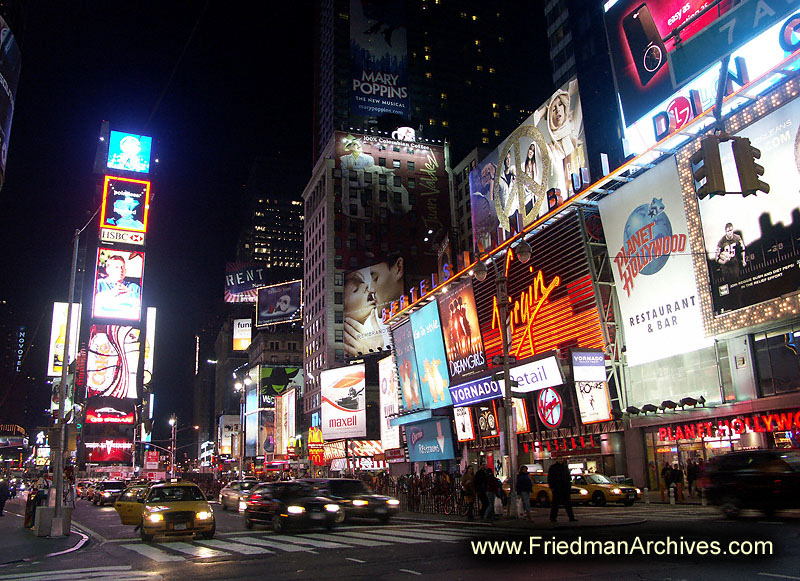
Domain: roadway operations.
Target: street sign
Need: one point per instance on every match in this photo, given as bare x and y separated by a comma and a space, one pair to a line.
723, 36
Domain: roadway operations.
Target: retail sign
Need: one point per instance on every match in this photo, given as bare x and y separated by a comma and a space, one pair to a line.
591, 388
121, 237
475, 391
364, 448
541, 373
151, 460
430, 440
758, 423
550, 408
647, 234
316, 449
733, 29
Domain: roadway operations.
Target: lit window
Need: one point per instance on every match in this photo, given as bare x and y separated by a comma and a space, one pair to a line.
427, 57
484, 140
445, 124
463, 15
477, 42
491, 70
497, 133
501, 39
496, 114
444, 96
428, 75
485, 130
479, 68
431, 121
474, 18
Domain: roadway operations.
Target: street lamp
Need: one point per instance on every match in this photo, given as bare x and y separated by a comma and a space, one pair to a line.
241, 388
509, 438
173, 422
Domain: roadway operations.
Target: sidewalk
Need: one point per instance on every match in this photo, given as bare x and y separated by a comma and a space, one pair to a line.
20, 544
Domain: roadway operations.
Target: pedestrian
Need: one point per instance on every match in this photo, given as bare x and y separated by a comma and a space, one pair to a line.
468, 490
691, 475
560, 484
492, 492
5, 494
665, 479
524, 487
480, 491
677, 481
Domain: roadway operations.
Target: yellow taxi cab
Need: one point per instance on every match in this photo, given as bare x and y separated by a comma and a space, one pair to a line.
543, 496
170, 508
601, 489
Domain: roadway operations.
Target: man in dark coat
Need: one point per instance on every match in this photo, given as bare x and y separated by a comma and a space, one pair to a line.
481, 482
560, 484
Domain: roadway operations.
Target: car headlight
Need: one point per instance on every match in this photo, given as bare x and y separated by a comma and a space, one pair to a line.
332, 507
359, 502
616, 491
242, 505
392, 502
295, 509
584, 492
156, 517
638, 491
204, 515
106, 494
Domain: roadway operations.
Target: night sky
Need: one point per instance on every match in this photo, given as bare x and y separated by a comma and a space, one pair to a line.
241, 87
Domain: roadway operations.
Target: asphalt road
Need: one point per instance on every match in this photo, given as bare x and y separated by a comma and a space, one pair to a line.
442, 550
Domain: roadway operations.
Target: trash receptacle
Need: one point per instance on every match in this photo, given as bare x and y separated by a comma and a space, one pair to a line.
44, 520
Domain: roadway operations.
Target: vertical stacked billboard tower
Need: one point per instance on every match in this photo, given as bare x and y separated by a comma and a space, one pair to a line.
114, 364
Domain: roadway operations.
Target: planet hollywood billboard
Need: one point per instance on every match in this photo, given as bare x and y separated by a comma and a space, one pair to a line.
648, 239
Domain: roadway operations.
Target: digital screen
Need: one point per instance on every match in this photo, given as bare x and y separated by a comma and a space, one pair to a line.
251, 429
277, 379
129, 152
58, 337
109, 450
10, 66
126, 204
149, 344
112, 361
390, 435
279, 303
109, 410
118, 284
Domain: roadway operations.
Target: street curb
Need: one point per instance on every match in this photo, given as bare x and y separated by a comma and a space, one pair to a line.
534, 526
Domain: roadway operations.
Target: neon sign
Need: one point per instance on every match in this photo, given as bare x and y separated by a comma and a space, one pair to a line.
550, 407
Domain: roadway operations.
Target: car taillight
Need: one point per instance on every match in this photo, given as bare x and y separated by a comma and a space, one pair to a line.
255, 497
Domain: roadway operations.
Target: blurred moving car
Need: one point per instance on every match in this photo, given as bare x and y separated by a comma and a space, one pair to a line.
171, 508
81, 487
765, 480
356, 498
288, 505
543, 496
232, 496
107, 491
602, 489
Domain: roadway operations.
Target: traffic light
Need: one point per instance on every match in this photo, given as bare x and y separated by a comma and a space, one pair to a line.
749, 171
707, 168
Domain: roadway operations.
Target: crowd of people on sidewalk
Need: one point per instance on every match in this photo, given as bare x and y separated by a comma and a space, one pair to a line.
673, 479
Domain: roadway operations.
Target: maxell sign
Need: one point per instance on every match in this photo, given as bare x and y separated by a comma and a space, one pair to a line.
121, 236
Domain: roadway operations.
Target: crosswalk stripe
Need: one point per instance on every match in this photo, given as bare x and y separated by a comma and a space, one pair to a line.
112, 573
153, 553
429, 536
306, 541
235, 547
444, 531
348, 540
194, 550
288, 547
380, 537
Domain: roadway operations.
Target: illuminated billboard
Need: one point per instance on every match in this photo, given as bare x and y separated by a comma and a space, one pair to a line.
10, 65
462, 334
118, 284
392, 197
378, 59
406, 361
430, 440
536, 169
109, 410
58, 337
367, 292
149, 345
251, 423
465, 430
129, 152
112, 361
279, 303
648, 241
390, 435
520, 415
591, 388
126, 204
431, 360
344, 409
751, 241
242, 334
278, 379
242, 281
552, 303
109, 450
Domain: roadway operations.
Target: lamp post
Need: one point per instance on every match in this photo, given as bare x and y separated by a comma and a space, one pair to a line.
507, 423
241, 387
173, 422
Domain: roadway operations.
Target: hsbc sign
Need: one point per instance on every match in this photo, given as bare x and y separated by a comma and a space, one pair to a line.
121, 237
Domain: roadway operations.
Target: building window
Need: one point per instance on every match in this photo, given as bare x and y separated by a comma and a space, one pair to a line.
396, 163
411, 165
428, 76
338, 278
412, 183
382, 161
338, 298
338, 336
338, 317
777, 361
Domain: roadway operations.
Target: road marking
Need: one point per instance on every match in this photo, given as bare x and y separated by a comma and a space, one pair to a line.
380, 537
153, 553
288, 547
194, 550
312, 542
431, 536
349, 540
409, 571
235, 547
354, 560
777, 576
110, 572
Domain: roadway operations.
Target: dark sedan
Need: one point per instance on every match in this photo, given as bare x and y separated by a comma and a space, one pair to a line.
289, 505
107, 491
357, 499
